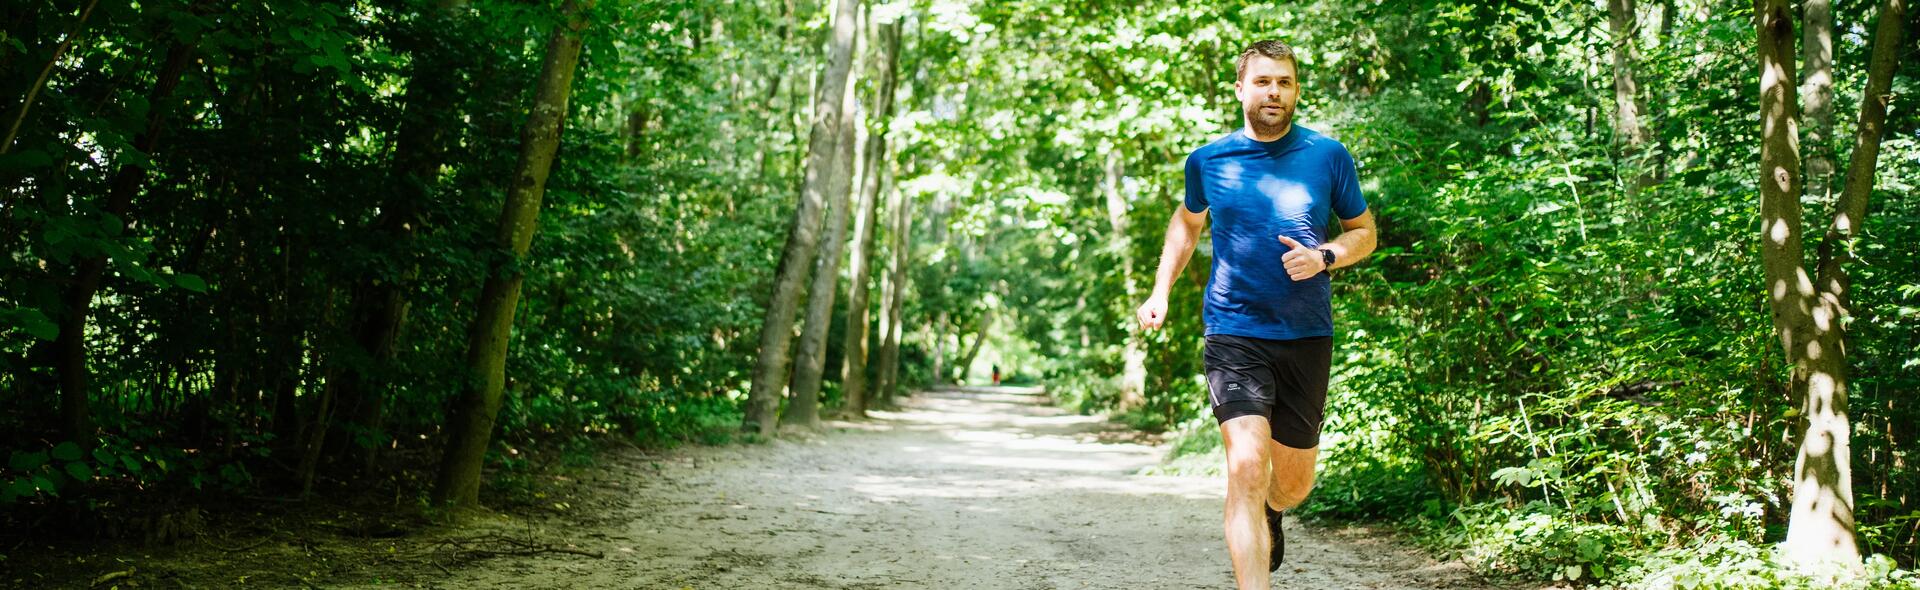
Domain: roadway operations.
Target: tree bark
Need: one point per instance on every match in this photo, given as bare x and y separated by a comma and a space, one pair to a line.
811, 359
1630, 129
896, 298
1820, 526
1133, 353
1810, 320
471, 420
776, 331
70, 347
878, 394
853, 383
1816, 96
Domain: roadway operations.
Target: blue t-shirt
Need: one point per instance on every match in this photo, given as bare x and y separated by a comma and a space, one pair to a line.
1259, 191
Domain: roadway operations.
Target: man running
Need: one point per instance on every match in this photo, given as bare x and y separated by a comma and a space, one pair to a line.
1270, 188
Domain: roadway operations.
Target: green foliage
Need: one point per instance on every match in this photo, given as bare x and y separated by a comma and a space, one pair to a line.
1540, 541
286, 196
1738, 565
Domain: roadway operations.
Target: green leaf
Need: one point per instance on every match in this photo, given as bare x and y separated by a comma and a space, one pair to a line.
46, 484
21, 487
35, 323
67, 451
27, 461
25, 160
1521, 476
190, 282
79, 471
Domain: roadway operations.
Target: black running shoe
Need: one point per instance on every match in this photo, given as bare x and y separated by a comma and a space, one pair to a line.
1279, 538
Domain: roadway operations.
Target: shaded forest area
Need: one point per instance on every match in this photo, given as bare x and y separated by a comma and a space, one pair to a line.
1646, 300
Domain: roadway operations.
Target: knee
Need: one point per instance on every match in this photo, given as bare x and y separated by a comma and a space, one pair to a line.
1247, 472
1289, 492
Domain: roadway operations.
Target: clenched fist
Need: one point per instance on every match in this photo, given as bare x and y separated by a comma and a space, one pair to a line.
1301, 262
1153, 313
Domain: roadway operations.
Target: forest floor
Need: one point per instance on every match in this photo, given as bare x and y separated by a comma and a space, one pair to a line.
979, 488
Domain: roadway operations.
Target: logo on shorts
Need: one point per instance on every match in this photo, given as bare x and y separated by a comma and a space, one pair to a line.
1233, 386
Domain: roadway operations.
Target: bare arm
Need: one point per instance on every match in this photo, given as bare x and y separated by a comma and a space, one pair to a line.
1183, 233
1356, 240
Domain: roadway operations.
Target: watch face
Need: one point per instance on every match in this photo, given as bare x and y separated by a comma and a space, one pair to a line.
1326, 256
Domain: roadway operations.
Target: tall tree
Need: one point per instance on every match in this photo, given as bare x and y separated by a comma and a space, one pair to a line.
1810, 311
803, 238
70, 347
895, 295
853, 384
471, 419
811, 359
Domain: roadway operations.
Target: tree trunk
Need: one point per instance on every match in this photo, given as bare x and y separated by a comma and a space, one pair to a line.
897, 293
979, 338
1810, 320
853, 384
470, 427
1820, 527
1133, 354
811, 359
939, 330
70, 347
1630, 130
1816, 97
379, 301
880, 360
323, 408
776, 331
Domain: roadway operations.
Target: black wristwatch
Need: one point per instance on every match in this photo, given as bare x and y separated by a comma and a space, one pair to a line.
1327, 257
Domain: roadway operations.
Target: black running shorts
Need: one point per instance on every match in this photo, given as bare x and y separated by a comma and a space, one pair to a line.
1283, 380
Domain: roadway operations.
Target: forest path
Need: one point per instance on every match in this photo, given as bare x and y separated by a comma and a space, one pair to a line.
978, 488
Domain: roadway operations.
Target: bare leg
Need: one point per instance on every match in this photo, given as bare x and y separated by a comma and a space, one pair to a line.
1248, 485
1292, 474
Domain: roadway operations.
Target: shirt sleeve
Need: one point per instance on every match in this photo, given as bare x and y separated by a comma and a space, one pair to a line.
1348, 203
1196, 185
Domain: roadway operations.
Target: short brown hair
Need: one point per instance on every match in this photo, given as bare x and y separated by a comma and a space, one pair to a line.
1274, 49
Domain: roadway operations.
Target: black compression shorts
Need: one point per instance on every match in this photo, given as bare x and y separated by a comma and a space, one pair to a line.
1282, 380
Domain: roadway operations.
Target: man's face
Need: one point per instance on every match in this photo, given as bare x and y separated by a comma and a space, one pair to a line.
1268, 91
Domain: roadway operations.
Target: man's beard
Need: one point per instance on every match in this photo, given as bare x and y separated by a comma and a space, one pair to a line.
1262, 125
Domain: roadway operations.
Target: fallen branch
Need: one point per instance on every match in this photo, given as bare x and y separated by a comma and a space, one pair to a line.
109, 578
248, 547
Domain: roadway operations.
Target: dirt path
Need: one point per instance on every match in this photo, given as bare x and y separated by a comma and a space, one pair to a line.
984, 488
